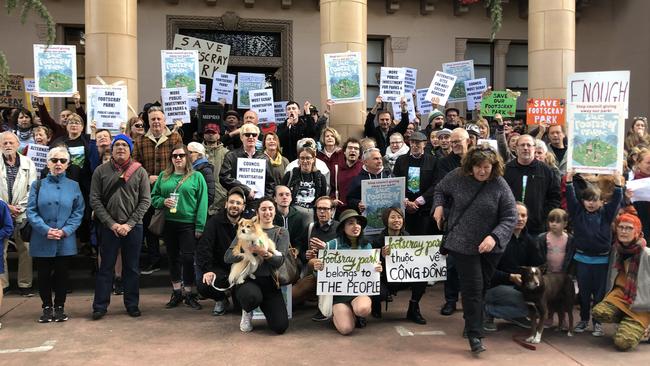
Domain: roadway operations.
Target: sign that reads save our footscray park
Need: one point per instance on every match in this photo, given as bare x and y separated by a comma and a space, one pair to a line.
213, 56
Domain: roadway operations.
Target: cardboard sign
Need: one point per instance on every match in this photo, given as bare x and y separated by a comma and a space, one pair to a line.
596, 137
410, 80
280, 109
502, 102
415, 259
545, 111
348, 272
38, 154
262, 103
424, 106
55, 70
343, 77
474, 90
391, 83
180, 69
245, 83
107, 105
252, 173
601, 86
441, 86
209, 113
223, 87
410, 107
213, 56
13, 94
175, 104
379, 194
463, 70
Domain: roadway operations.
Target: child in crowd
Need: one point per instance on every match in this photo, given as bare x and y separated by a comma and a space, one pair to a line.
592, 229
556, 244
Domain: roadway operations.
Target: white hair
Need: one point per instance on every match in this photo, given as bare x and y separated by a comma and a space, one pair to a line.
306, 141
56, 150
366, 154
4, 135
539, 144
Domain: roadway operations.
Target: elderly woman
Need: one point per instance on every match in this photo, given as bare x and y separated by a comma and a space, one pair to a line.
331, 147
396, 149
305, 181
542, 154
481, 219
271, 146
637, 135
55, 210
628, 301
261, 290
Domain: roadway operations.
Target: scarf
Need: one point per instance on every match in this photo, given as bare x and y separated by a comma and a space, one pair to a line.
392, 156
633, 252
126, 169
275, 162
25, 134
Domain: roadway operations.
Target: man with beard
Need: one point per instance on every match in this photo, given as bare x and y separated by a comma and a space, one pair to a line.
346, 169
219, 232
556, 144
382, 132
452, 119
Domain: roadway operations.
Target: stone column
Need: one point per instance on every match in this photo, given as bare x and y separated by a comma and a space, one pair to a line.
112, 44
551, 47
500, 51
343, 27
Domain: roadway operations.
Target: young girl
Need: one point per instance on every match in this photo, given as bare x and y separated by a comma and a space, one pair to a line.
556, 244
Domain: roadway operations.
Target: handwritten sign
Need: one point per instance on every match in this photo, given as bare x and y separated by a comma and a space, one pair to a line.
601, 86
463, 70
55, 70
474, 92
441, 86
13, 94
415, 259
391, 83
410, 107
180, 69
262, 103
410, 80
245, 83
343, 77
252, 173
548, 112
348, 272
107, 106
175, 104
498, 102
38, 154
223, 87
424, 106
213, 56
280, 109
379, 194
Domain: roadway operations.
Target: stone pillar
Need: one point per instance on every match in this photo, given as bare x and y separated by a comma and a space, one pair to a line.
343, 27
112, 44
551, 47
500, 51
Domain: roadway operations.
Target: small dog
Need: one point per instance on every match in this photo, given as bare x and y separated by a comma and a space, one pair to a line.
545, 294
249, 234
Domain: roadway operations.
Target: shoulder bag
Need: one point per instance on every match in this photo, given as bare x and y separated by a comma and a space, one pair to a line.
289, 271
449, 229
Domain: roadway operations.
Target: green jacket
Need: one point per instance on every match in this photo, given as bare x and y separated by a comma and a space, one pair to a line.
192, 207
215, 156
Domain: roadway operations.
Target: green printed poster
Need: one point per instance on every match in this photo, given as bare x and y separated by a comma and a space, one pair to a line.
55, 70
343, 77
502, 102
180, 68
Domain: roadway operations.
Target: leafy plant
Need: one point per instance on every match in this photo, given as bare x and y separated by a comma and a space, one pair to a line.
496, 15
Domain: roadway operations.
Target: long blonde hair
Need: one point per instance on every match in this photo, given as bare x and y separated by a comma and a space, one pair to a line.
170, 165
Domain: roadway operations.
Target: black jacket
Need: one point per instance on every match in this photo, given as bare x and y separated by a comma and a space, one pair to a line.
354, 194
427, 165
521, 251
217, 236
207, 171
297, 225
305, 127
446, 165
370, 130
293, 179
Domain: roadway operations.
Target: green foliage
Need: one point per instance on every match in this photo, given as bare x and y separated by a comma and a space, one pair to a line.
595, 152
55, 82
496, 15
345, 88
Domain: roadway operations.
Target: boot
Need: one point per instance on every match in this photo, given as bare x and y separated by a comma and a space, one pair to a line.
413, 313
376, 307
177, 298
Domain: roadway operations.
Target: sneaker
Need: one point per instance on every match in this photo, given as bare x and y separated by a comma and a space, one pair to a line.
319, 317
59, 315
219, 308
26, 292
150, 269
489, 325
190, 300
246, 323
598, 330
47, 315
98, 314
581, 327
521, 322
177, 298
118, 288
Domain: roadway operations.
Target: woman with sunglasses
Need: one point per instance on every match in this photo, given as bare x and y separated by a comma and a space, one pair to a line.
55, 210
183, 194
135, 127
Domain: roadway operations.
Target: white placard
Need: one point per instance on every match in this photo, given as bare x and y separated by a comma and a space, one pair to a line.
55, 70
415, 259
180, 68
348, 272
262, 104
410, 107
410, 80
223, 87
640, 189
30, 85
107, 105
252, 173
175, 104
492, 143
391, 83
474, 91
38, 154
424, 106
344, 77
213, 56
599, 86
280, 111
462, 70
441, 86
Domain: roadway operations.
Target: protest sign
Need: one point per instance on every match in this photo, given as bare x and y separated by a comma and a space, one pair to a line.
640, 189
492, 143
175, 105
410, 107
38, 154
503, 102
596, 137
391, 83
286, 295
252, 173
463, 71
424, 106
600, 86
223, 87
262, 103
343, 77
474, 92
245, 83
213, 56
280, 109
415, 259
348, 272
30, 85
107, 105
548, 112
12, 94
440, 88
410, 80
193, 100
180, 69
379, 194
29, 100
209, 113
55, 70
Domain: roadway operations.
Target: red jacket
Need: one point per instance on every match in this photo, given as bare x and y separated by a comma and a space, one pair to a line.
341, 176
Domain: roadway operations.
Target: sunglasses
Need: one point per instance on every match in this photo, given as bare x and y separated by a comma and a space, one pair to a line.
138, 125
250, 134
59, 160
178, 156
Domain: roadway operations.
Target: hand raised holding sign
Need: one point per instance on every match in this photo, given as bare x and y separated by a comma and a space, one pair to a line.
177, 125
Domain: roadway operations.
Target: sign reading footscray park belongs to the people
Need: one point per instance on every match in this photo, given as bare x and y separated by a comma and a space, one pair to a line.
348, 272
379, 194
596, 133
415, 259
55, 70
180, 68
343, 77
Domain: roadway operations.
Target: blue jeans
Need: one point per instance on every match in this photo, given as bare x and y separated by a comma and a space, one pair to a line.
505, 302
108, 248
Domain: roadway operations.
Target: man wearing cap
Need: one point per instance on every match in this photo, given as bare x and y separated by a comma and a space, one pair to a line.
120, 197
382, 132
436, 119
418, 168
215, 152
451, 118
444, 146
231, 123
296, 127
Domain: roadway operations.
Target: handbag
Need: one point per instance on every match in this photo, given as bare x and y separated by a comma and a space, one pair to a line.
157, 223
26, 231
448, 230
289, 272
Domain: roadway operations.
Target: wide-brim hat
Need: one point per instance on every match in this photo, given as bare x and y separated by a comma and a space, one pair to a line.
348, 214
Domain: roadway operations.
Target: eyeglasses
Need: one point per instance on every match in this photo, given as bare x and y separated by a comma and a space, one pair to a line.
625, 228
308, 158
178, 156
323, 209
59, 160
352, 148
455, 142
75, 123
250, 134
138, 125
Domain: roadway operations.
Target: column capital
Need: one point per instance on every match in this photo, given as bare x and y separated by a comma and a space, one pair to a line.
501, 47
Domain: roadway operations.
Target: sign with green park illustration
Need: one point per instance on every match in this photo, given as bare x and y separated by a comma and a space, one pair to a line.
343, 77
180, 68
55, 70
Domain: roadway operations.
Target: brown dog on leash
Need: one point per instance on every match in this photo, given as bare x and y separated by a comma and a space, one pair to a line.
545, 294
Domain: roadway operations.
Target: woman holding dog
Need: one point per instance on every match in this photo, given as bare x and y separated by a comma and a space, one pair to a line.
480, 222
628, 301
263, 291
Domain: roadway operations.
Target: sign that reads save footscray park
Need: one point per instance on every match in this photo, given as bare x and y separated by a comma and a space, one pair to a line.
213, 56
415, 259
348, 272
55, 70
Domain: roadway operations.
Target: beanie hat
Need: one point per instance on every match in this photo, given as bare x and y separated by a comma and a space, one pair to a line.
629, 216
124, 138
433, 114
